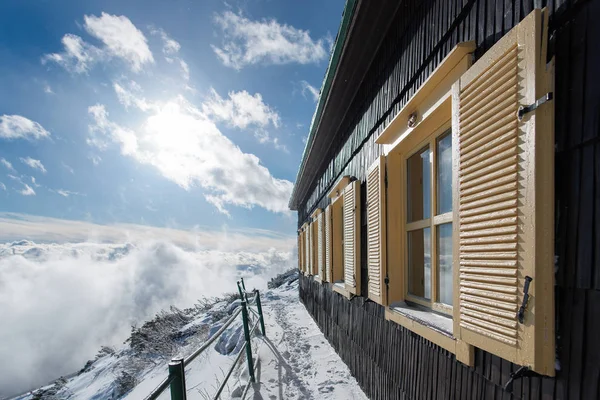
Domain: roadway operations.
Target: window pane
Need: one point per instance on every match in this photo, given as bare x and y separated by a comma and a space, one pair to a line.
419, 185
444, 174
419, 263
444, 262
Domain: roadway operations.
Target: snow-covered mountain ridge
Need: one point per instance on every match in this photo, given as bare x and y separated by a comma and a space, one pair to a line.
295, 361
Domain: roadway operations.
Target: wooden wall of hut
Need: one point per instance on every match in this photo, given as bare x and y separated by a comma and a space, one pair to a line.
420, 37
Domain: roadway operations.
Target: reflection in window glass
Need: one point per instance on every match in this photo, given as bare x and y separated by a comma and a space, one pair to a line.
419, 185
419, 263
444, 265
444, 174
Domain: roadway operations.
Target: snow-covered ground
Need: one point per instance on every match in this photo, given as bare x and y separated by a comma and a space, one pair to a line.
294, 360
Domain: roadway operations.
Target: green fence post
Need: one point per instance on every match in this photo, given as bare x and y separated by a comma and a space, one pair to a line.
248, 344
240, 290
260, 313
243, 284
177, 371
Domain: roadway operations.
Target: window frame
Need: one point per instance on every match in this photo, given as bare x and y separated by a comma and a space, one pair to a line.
432, 104
434, 220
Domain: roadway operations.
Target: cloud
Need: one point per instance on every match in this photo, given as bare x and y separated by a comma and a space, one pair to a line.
240, 110
78, 56
68, 168
170, 46
32, 163
185, 70
187, 148
27, 191
110, 287
247, 42
67, 193
18, 127
7, 164
2, 186
313, 91
128, 99
48, 89
120, 38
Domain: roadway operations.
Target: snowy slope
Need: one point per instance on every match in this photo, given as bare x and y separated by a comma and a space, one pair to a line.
295, 361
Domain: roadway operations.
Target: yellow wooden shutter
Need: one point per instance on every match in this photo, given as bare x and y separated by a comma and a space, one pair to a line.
328, 244
376, 230
352, 237
321, 246
307, 250
504, 195
300, 250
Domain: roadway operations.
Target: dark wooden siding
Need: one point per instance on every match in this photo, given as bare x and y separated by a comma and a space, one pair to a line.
408, 366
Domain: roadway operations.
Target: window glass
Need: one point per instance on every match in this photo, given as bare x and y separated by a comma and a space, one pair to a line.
419, 185
444, 174
444, 264
419, 263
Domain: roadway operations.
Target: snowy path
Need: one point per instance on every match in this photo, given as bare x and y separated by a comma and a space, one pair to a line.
295, 359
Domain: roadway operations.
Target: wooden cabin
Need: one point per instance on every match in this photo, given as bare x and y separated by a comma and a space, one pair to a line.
449, 199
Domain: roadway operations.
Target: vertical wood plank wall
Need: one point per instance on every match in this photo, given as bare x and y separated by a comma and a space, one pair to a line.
399, 364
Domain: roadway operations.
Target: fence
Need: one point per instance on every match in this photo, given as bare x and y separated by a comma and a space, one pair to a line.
175, 381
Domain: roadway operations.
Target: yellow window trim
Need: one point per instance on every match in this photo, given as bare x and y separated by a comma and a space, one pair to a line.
433, 105
316, 213
436, 87
338, 188
341, 290
463, 351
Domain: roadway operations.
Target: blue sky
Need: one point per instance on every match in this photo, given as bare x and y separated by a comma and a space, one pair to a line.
177, 114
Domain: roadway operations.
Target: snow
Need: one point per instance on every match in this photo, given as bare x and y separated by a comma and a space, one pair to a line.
293, 360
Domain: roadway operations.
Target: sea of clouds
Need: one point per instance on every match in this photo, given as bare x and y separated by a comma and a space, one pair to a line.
59, 302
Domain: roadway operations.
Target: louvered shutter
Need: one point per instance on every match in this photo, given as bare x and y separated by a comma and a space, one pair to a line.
307, 250
300, 250
504, 224
376, 230
352, 237
328, 244
321, 245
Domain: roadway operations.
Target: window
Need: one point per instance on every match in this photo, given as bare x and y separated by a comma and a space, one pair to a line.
343, 229
429, 223
470, 211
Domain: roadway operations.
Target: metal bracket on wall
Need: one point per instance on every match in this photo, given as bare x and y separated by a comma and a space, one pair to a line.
527, 109
521, 313
520, 373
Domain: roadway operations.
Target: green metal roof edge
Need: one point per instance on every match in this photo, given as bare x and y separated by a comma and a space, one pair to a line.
326, 86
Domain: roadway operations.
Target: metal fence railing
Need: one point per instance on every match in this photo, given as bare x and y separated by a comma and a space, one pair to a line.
175, 381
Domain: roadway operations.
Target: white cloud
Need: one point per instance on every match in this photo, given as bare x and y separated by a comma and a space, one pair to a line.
48, 89
67, 193
240, 110
128, 99
120, 37
78, 56
3, 186
7, 164
32, 163
170, 46
185, 70
19, 127
27, 191
249, 42
184, 144
313, 91
68, 168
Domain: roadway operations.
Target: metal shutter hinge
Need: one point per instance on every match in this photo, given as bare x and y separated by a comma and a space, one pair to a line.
521, 313
527, 109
